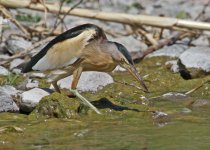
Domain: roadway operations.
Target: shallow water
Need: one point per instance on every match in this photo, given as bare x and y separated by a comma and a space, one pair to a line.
188, 131
131, 125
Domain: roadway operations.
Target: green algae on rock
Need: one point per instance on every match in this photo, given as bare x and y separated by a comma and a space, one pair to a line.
56, 106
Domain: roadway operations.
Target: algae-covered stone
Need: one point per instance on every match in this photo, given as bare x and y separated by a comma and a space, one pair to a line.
56, 105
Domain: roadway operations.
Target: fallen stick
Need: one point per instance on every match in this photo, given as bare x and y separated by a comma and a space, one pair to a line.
137, 20
7, 15
139, 55
25, 52
198, 87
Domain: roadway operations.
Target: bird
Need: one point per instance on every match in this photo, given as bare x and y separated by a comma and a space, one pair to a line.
82, 48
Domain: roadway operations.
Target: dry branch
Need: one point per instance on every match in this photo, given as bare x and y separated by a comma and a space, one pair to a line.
138, 20
25, 52
136, 56
7, 15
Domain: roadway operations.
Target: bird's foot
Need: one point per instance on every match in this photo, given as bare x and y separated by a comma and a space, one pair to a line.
85, 101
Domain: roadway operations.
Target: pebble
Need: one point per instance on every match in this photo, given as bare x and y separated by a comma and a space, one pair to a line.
37, 75
201, 103
6, 103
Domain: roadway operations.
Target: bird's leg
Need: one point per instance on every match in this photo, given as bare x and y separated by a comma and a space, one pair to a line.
85, 101
76, 75
55, 78
56, 87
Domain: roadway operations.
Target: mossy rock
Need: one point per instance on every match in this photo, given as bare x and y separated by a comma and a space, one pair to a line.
56, 106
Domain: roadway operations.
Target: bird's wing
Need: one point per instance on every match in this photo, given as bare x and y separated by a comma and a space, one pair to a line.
65, 49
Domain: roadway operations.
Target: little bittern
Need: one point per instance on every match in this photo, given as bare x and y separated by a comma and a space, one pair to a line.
82, 48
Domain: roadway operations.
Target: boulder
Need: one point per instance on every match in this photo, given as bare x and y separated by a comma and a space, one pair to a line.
89, 81
29, 99
195, 62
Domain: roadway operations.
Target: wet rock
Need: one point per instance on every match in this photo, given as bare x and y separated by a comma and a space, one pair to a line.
56, 105
195, 62
29, 99
172, 65
89, 81
173, 51
160, 118
175, 97
3, 71
15, 63
7, 104
17, 44
201, 103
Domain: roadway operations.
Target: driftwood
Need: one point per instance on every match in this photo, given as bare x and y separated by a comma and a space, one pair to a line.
137, 20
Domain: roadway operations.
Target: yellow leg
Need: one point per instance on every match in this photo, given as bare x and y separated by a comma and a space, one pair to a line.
56, 78
76, 75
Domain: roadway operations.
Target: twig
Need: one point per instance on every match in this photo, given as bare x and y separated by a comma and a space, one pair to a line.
198, 87
73, 7
45, 12
58, 14
148, 36
203, 10
25, 52
132, 85
7, 14
137, 56
161, 33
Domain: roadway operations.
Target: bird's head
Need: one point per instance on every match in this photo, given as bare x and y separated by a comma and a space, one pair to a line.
123, 58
